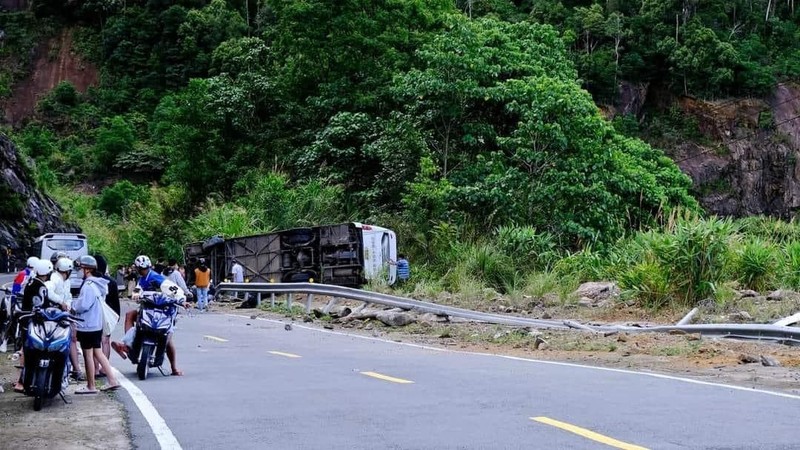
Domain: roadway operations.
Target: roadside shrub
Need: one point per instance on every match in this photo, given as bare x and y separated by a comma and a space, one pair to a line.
770, 229
227, 219
584, 265
756, 264
790, 274
649, 282
529, 249
492, 267
696, 252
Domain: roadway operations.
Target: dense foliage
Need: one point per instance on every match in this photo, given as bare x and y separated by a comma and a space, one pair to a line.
444, 120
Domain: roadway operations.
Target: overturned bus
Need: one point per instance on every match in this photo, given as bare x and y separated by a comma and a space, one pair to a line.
347, 254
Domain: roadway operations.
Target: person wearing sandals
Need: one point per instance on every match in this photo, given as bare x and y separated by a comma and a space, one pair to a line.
89, 309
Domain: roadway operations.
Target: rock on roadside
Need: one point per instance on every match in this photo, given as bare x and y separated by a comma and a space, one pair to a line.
596, 293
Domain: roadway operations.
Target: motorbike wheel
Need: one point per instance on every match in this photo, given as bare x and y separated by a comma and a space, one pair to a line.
39, 385
144, 361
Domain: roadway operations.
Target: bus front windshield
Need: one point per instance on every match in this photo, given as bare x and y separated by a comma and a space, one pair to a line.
66, 245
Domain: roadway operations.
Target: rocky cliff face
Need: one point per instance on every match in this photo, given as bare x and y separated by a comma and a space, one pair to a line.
751, 165
25, 213
747, 161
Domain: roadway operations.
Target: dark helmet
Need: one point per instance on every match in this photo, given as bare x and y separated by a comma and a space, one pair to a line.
87, 262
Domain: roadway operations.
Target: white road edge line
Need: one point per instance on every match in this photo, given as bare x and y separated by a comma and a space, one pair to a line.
161, 431
538, 361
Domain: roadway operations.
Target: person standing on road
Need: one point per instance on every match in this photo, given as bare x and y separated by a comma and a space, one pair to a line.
202, 279
176, 277
35, 295
58, 290
119, 277
90, 331
112, 300
237, 272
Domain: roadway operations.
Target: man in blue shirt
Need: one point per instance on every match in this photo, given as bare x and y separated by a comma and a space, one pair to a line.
149, 280
403, 269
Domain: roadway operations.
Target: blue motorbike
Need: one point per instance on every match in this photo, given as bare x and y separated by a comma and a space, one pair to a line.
46, 350
153, 325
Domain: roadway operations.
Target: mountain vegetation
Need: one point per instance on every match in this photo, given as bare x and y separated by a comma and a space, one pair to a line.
469, 127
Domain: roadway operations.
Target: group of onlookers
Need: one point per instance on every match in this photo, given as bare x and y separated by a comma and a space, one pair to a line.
46, 284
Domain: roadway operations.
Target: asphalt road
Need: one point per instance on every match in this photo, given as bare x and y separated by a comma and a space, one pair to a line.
313, 394
253, 384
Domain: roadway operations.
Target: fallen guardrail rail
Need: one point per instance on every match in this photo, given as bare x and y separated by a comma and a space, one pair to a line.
762, 332
381, 299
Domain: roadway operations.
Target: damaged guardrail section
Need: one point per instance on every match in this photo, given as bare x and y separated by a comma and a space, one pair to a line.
774, 333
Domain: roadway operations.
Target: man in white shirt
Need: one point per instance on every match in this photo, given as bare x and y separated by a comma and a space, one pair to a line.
238, 275
176, 277
58, 291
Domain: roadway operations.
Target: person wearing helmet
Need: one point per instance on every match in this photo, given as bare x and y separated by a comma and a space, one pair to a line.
35, 295
17, 288
56, 256
58, 290
21, 280
89, 307
149, 280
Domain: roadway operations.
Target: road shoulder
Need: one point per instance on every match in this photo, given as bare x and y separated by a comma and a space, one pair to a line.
89, 422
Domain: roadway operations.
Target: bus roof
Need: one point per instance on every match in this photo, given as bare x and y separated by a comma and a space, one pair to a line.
60, 236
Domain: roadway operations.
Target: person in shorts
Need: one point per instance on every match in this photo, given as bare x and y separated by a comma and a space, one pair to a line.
89, 309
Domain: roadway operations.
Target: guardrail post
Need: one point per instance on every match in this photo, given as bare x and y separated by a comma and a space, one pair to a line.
309, 299
289, 299
272, 300
258, 299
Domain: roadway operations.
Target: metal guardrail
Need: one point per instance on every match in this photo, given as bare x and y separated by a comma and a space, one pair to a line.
775, 333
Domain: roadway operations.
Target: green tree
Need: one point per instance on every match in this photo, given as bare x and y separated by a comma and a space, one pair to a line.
114, 138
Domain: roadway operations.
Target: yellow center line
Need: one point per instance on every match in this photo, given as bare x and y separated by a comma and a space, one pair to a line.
288, 355
214, 338
386, 377
588, 434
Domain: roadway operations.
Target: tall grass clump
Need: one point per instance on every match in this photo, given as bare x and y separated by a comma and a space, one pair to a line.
756, 264
218, 218
695, 253
491, 266
584, 265
770, 229
529, 249
790, 272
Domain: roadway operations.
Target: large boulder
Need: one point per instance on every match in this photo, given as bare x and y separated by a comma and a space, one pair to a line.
597, 291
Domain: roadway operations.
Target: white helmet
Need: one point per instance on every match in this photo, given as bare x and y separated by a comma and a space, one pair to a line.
43, 267
142, 262
31, 261
64, 265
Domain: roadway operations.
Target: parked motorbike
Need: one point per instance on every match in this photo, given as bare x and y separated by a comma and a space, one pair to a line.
5, 318
157, 312
10, 331
46, 350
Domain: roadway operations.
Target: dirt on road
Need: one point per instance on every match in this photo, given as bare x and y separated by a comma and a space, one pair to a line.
94, 421
742, 363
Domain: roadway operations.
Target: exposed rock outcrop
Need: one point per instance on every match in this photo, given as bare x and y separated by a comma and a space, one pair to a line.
25, 213
751, 165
